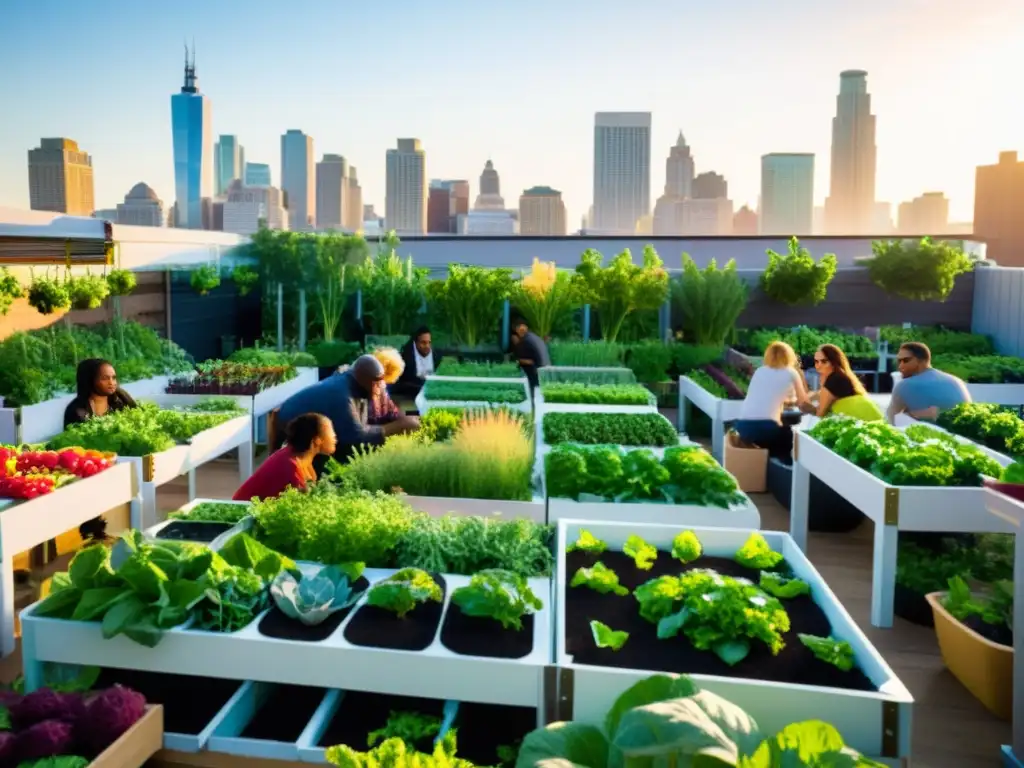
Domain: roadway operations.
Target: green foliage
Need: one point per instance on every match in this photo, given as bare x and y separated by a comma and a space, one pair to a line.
941, 341
329, 354
597, 394
922, 271
650, 361
393, 290
47, 295
988, 369
805, 341
643, 554
403, 591
10, 289
469, 300
594, 376
121, 282
396, 753
205, 279
994, 608
599, 578
546, 298
838, 653
987, 558
87, 291
686, 547
606, 637
621, 287
213, 512
497, 594
757, 553
994, 426
450, 366
686, 357
781, 586
587, 542
473, 391
245, 279
410, 727
587, 354
795, 278
651, 429
327, 260
709, 301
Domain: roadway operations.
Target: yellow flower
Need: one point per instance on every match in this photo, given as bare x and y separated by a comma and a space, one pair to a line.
541, 278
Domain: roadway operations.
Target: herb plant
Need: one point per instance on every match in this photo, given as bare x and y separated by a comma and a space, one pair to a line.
599, 578
994, 609
236, 597
757, 553
546, 297
403, 591
651, 429
313, 599
392, 288
606, 637
121, 282
838, 653
589, 354
921, 271
587, 542
643, 554
473, 392
450, 366
941, 341
988, 369
598, 394
795, 279
717, 613
396, 753
994, 426
621, 287
410, 727
470, 300
47, 295
781, 586
87, 291
497, 594
686, 547
245, 279
708, 300
205, 279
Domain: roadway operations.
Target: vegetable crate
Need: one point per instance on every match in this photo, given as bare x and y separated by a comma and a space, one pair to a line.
878, 723
1011, 512
891, 508
438, 506
423, 405
435, 672
29, 523
39, 422
158, 469
721, 412
137, 745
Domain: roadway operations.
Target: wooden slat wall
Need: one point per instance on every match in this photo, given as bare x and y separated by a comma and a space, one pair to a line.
854, 301
147, 305
999, 307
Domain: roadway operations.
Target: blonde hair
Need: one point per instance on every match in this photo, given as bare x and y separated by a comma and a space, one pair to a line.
780, 355
392, 361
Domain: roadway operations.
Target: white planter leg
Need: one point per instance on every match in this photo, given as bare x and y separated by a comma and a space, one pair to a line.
684, 408
7, 605
192, 484
883, 577
148, 493
718, 438
245, 461
799, 504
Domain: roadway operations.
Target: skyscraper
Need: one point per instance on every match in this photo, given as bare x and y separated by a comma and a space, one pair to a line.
298, 179
849, 208
191, 128
679, 170
924, 215
787, 194
228, 163
622, 170
60, 178
142, 207
710, 186
352, 215
446, 201
998, 190
542, 212
256, 175
405, 206
490, 198
331, 191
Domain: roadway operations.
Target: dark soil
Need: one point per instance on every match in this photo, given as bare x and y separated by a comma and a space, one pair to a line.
476, 636
911, 606
996, 633
643, 650
183, 530
360, 712
285, 713
189, 702
482, 728
277, 625
374, 627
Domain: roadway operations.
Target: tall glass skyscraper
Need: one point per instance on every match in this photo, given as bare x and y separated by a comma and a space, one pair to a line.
191, 129
229, 163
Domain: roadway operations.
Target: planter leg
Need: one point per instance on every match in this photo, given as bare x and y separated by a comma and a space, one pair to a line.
683, 411
883, 578
799, 504
7, 605
148, 505
192, 484
718, 439
245, 461
31, 667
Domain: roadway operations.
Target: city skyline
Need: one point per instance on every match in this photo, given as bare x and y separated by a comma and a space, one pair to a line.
539, 134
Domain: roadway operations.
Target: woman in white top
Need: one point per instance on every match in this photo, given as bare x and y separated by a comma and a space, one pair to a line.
773, 385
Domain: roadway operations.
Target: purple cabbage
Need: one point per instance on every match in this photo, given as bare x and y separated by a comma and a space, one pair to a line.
45, 704
46, 739
109, 714
8, 747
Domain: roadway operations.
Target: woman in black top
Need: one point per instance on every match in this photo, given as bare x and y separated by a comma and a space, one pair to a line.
97, 393
841, 391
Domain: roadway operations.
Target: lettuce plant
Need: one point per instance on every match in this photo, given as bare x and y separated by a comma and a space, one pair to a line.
599, 578
783, 587
312, 600
497, 594
403, 591
606, 637
410, 727
587, 542
686, 547
838, 653
643, 554
757, 553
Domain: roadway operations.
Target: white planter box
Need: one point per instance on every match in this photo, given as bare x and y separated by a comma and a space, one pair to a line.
41, 421
541, 406
29, 523
333, 663
720, 411
683, 515
192, 743
438, 506
171, 402
861, 717
269, 399
891, 508
550, 373
544, 448
423, 405
993, 394
217, 542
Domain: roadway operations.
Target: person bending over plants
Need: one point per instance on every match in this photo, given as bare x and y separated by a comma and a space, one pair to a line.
772, 386
923, 392
530, 350
841, 391
306, 437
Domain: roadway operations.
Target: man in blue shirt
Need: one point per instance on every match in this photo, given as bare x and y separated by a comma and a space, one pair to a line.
923, 391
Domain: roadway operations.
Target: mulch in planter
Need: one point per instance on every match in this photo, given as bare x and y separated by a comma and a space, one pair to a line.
644, 651
279, 626
482, 728
185, 530
475, 636
284, 714
361, 712
189, 702
374, 627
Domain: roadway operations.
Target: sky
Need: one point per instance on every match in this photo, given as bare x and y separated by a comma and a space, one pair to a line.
518, 83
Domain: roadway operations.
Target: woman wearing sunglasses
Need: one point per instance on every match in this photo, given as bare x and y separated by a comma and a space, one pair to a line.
841, 391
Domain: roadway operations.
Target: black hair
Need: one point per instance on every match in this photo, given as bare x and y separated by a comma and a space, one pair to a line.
301, 431
419, 332
918, 350
86, 374
517, 321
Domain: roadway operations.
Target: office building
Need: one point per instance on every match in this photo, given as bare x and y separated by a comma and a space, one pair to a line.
490, 198
245, 207
622, 170
298, 179
998, 192
228, 163
542, 212
787, 194
849, 208
352, 216
191, 128
60, 178
710, 186
744, 222
446, 201
924, 215
257, 175
405, 206
141, 207
331, 192
692, 216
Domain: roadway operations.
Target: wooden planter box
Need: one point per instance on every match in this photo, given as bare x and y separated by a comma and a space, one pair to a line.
137, 745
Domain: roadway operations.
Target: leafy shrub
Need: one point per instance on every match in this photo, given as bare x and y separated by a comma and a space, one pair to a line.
650, 361
245, 279
545, 296
393, 289
87, 291
795, 278
997, 427
649, 429
599, 394
333, 353
922, 271
10, 289
621, 287
941, 341
450, 366
471, 391
687, 357
469, 300
47, 295
708, 300
587, 354
805, 341
988, 369
121, 282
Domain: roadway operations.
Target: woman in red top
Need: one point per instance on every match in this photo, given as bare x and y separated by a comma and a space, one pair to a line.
306, 437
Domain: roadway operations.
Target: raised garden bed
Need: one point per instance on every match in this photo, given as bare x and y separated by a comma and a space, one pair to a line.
186, 530
721, 412
277, 625
470, 392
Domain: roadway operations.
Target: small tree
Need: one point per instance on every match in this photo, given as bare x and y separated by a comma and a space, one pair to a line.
795, 278
621, 287
708, 300
921, 271
326, 262
393, 289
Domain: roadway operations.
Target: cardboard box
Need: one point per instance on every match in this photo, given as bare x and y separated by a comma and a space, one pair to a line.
748, 464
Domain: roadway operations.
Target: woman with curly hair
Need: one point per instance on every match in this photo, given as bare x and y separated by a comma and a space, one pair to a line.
382, 408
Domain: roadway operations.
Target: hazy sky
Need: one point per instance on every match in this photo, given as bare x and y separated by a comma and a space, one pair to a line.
518, 83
